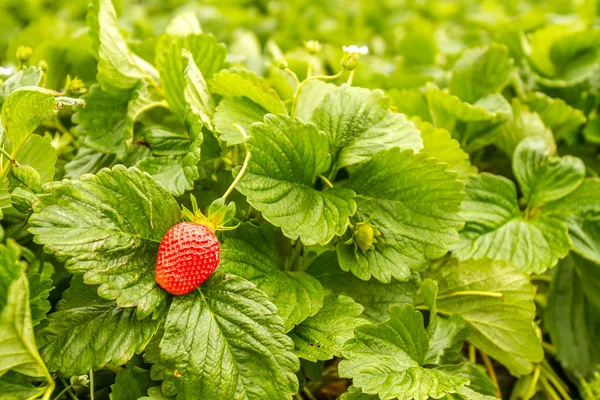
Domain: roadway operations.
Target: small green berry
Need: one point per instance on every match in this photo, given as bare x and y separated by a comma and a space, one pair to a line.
364, 236
24, 54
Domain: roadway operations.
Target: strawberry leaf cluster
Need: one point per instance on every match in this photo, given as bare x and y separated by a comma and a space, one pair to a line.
416, 218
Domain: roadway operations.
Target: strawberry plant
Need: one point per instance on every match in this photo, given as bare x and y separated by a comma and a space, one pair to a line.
233, 201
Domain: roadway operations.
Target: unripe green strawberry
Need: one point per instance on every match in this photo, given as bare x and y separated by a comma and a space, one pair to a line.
364, 237
188, 254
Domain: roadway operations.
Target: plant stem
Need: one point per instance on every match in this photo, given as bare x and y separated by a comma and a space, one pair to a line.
20, 227
472, 354
238, 177
491, 372
350, 78
555, 380
549, 389
292, 73
64, 382
65, 390
323, 77
309, 70
308, 393
7, 154
549, 348
536, 376
298, 396
543, 278
471, 293
327, 181
92, 384
295, 255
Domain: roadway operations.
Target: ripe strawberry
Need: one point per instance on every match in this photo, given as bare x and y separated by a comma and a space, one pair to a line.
188, 254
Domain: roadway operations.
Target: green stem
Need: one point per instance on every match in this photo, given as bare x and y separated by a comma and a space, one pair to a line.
323, 77
327, 181
238, 177
69, 391
549, 348
292, 73
491, 372
555, 380
308, 393
350, 78
309, 70
532, 385
472, 354
92, 384
20, 227
471, 293
295, 255
65, 390
548, 389
543, 278
8, 155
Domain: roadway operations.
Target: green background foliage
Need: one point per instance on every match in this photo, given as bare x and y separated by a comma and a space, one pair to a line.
421, 221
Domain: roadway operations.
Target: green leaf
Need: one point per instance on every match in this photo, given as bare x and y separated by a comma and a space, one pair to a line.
495, 228
388, 359
571, 317
196, 93
18, 350
310, 96
155, 393
108, 227
321, 336
446, 109
25, 77
446, 336
287, 156
15, 386
87, 332
564, 54
39, 290
38, 152
410, 102
543, 177
226, 341
414, 202
118, 67
252, 253
439, 143
557, 115
132, 382
358, 124
183, 24
480, 71
473, 125
247, 99
242, 83
375, 297
207, 54
354, 393
580, 211
23, 111
523, 124
114, 113
236, 110
175, 157
87, 161
496, 301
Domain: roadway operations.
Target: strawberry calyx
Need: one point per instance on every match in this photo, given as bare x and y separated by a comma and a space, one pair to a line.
216, 218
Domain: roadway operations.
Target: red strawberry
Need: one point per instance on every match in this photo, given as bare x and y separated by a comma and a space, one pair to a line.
188, 254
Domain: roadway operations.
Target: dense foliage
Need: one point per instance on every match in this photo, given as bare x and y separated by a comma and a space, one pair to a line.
416, 218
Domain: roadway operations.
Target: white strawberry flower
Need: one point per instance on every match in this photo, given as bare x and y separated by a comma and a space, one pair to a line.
355, 50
